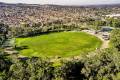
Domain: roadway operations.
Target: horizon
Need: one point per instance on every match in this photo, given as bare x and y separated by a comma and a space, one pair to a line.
64, 2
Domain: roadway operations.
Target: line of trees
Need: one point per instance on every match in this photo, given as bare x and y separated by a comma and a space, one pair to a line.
26, 30
112, 22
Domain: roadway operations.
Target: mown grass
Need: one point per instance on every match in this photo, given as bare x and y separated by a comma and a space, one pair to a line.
62, 44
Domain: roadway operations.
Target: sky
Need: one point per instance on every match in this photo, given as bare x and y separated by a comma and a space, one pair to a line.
63, 2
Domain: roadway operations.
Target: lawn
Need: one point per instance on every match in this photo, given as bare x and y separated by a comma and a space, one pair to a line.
62, 44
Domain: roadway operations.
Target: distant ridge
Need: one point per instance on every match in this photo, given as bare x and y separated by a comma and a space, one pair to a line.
54, 5
93, 5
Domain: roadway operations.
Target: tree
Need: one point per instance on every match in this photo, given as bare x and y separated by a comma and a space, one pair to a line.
5, 64
104, 65
115, 38
31, 69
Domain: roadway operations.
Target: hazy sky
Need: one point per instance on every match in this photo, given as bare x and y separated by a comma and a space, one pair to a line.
63, 2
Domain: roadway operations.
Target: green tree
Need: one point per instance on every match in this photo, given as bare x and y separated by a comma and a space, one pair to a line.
115, 38
104, 65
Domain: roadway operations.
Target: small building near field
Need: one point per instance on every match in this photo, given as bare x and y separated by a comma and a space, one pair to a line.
106, 35
106, 29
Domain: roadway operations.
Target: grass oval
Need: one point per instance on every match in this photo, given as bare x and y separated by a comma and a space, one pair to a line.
62, 44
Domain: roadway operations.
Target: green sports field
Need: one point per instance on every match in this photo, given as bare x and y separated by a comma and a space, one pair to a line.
62, 44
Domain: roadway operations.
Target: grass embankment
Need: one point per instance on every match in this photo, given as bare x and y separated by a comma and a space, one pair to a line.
62, 44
